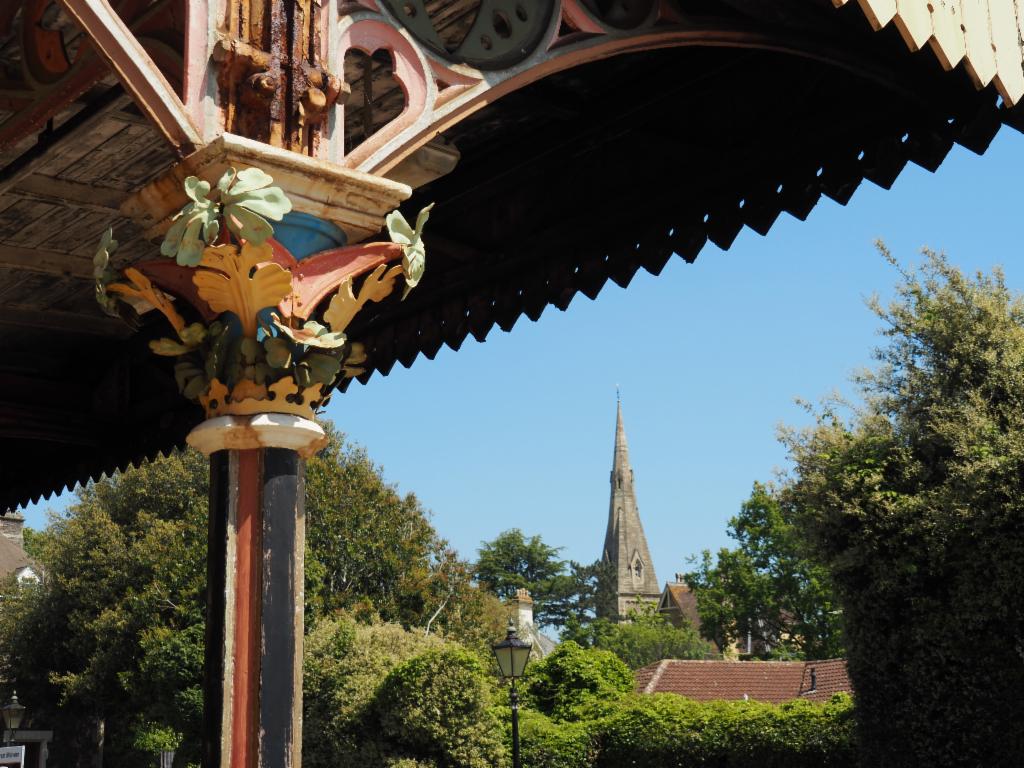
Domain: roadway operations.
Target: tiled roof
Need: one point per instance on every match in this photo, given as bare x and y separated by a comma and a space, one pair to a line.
831, 677
769, 681
12, 557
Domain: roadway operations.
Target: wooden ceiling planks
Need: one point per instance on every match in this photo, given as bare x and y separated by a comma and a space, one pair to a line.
585, 177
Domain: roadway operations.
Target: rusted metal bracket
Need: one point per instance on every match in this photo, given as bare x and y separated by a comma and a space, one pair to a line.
285, 93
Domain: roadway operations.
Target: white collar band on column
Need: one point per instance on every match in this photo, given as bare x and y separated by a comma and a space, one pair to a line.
262, 430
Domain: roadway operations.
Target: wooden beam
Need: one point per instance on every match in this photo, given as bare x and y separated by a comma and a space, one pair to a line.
84, 196
45, 262
65, 322
67, 134
137, 72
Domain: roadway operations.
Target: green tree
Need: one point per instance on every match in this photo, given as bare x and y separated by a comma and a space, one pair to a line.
915, 499
381, 696
344, 665
109, 647
369, 545
512, 561
644, 638
574, 683
438, 705
111, 642
769, 587
593, 593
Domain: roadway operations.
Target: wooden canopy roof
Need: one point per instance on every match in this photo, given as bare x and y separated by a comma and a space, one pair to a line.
585, 175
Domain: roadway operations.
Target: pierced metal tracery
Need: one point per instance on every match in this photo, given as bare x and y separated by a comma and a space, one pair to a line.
489, 34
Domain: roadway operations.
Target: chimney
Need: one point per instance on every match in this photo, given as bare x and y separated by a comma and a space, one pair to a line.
11, 525
680, 579
523, 604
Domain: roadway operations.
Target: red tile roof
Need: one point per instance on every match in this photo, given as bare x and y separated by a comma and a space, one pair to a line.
769, 681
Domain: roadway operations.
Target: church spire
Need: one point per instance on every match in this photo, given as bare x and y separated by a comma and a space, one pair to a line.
625, 545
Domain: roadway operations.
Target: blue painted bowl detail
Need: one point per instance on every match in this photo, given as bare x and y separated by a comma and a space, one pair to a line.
304, 234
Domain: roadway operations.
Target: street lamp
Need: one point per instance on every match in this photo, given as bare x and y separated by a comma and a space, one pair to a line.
14, 712
512, 655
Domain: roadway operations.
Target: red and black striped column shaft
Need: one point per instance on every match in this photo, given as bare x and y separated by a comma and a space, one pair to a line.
253, 669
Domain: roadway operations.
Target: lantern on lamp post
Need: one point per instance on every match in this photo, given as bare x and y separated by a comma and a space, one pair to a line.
512, 653
14, 713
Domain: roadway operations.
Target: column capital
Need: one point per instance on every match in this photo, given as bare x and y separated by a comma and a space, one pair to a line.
262, 430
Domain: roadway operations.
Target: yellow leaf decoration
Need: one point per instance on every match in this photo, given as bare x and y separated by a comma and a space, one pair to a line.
142, 288
241, 283
345, 305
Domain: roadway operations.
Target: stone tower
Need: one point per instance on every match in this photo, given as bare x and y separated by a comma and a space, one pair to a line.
625, 545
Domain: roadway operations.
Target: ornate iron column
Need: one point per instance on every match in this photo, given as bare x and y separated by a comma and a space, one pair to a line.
259, 313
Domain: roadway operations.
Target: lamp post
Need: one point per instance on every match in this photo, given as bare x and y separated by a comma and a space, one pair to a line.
512, 654
14, 712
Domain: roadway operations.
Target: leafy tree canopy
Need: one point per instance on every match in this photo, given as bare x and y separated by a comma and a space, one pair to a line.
644, 638
512, 561
915, 500
574, 683
768, 588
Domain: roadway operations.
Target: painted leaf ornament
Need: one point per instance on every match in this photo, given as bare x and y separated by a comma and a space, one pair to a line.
312, 334
169, 348
142, 288
194, 226
242, 283
232, 275
322, 368
103, 273
249, 200
346, 305
414, 252
279, 352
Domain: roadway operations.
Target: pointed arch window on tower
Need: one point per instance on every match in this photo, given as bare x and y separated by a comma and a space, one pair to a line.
637, 569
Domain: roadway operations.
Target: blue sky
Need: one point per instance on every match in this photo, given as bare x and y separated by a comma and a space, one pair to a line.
518, 431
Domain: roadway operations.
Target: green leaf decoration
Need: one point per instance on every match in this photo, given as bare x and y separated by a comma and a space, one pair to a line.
217, 352
279, 352
193, 335
322, 368
103, 273
249, 201
312, 334
261, 373
169, 348
101, 261
233, 363
414, 252
191, 379
196, 189
194, 226
252, 351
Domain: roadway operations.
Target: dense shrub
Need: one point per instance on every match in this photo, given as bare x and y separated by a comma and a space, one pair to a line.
574, 683
549, 744
669, 731
345, 664
438, 705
